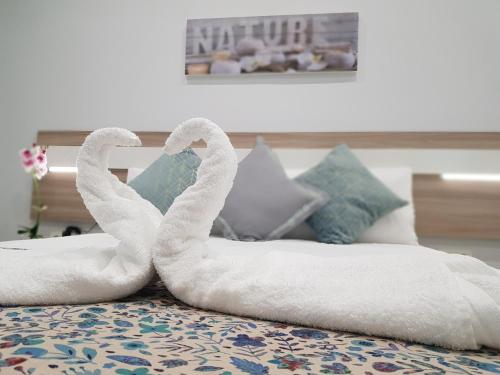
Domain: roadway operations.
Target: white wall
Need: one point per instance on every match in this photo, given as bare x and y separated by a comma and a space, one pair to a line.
69, 64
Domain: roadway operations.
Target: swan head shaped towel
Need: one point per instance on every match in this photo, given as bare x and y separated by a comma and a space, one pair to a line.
190, 218
118, 209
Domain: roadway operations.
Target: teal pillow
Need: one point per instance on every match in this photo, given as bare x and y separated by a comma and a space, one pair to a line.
166, 178
357, 197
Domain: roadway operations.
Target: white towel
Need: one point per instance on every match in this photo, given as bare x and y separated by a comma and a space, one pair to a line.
89, 268
417, 294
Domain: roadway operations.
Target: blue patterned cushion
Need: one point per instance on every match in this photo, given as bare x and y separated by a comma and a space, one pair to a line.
166, 178
357, 197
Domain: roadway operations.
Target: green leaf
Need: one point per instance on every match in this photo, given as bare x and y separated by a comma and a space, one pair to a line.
89, 353
68, 350
31, 351
130, 360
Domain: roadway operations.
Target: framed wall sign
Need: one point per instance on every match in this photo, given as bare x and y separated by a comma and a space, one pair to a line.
272, 44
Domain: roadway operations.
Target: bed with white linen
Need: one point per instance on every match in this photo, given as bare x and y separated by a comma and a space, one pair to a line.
153, 332
462, 310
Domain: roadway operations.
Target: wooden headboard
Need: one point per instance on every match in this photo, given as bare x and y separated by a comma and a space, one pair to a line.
452, 209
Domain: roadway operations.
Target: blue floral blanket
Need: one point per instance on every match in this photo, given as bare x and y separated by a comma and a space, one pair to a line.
153, 333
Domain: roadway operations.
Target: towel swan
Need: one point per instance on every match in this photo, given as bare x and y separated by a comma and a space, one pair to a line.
88, 268
119, 210
415, 294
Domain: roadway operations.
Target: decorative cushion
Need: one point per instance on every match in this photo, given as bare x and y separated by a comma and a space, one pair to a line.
357, 197
396, 227
166, 178
264, 203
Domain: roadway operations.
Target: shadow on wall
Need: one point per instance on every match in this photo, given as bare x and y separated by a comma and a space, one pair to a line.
273, 78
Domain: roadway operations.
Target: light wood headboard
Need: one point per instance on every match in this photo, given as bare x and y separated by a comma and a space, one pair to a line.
453, 209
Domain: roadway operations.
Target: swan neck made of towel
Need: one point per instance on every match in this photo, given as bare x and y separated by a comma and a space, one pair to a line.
117, 208
192, 213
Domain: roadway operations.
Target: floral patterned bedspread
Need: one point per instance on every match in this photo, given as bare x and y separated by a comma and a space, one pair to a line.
153, 333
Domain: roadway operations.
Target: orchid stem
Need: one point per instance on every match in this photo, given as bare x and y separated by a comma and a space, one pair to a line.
36, 186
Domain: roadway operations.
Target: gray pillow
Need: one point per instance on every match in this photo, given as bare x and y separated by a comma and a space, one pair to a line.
357, 197
264, 203
166, 178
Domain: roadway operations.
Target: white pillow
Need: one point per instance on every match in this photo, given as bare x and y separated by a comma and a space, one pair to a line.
397, 227
133, 173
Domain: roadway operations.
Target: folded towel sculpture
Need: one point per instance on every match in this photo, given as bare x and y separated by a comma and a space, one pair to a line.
406, 292
92, 268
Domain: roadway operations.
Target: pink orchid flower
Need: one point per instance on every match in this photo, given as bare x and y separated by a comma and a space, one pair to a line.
34, 160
